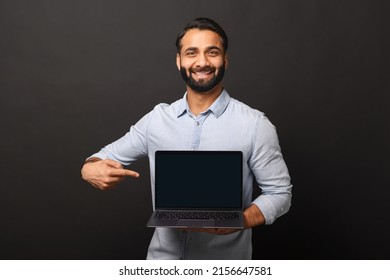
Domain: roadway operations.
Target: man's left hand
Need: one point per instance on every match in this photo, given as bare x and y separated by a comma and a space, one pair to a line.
252, 217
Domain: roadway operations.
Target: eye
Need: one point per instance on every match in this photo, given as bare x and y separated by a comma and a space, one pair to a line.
213, 53
190, 53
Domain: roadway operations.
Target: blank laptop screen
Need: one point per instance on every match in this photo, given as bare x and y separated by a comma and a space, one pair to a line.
198, 179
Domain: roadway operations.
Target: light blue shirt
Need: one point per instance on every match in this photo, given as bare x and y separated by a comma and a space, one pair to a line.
227, 125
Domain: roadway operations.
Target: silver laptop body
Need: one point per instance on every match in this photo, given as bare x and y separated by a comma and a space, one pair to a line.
198, 189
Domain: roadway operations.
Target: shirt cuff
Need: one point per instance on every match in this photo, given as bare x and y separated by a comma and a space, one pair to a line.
100, 155
267, 208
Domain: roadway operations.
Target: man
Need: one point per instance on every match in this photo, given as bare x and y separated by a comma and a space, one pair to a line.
206, 118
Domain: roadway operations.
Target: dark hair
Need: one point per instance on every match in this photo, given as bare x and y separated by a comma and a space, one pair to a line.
203, 24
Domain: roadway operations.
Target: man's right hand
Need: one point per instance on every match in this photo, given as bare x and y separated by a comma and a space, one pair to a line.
105, 174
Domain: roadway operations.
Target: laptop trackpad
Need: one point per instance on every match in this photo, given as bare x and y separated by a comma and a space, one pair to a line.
195, 223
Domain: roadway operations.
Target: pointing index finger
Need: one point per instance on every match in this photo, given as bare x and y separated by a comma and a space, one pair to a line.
130, 173
121, 172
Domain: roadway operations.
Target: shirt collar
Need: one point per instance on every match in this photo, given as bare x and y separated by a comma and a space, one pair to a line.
217, 108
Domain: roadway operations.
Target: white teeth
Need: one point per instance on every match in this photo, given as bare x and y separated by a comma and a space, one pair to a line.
201, 74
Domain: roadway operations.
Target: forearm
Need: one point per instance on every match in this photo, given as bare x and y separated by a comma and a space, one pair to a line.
253, 217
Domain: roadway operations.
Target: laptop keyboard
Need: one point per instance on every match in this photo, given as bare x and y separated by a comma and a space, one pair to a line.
203, 215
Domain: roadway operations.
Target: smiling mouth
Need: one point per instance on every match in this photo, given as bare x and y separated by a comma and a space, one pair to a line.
202, 74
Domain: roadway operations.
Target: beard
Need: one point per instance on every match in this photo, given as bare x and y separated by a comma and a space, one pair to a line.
201, 85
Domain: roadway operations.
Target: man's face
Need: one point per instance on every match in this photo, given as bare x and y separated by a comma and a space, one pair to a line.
202, 60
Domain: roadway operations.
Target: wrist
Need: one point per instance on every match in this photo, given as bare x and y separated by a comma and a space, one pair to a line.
84, 170
92, 159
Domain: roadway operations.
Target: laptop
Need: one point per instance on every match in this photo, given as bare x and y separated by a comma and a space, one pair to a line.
198, 189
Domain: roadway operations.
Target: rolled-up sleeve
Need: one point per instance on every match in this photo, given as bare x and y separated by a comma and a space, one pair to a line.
270, 171
131, 146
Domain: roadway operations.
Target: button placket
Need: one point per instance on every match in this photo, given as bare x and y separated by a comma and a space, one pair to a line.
196, 133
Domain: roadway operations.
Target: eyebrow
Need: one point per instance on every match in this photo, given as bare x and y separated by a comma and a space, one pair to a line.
213, 48
190, 49
207, 49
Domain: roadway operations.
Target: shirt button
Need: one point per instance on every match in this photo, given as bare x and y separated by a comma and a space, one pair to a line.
197, 123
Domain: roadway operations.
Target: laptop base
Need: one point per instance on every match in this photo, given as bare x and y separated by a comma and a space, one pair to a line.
195, 223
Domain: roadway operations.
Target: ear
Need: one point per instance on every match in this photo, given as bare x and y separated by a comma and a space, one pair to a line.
178, 61
226, 61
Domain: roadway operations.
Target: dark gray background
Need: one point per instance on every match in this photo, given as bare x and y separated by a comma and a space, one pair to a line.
75, 74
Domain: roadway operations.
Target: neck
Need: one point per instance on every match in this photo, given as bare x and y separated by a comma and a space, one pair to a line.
200, 101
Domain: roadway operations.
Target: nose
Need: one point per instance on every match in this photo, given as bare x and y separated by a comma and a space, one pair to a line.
202, 60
